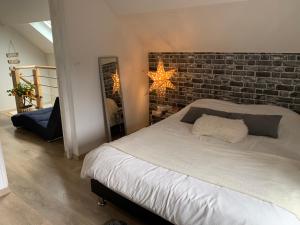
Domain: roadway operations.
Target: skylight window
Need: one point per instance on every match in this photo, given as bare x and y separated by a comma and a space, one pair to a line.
48, 23
44, 28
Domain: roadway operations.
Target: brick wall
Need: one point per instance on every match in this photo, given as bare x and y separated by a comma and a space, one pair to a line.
248, 78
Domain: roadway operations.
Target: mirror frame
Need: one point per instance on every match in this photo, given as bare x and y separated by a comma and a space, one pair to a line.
106, 116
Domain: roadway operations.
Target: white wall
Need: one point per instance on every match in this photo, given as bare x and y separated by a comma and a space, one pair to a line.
3, 176
29, 54
249, 26
89, 30
96, 32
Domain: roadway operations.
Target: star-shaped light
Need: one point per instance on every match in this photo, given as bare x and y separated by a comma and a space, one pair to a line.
161, 79
116, 82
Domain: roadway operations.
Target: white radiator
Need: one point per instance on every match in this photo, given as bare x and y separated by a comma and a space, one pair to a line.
3, 177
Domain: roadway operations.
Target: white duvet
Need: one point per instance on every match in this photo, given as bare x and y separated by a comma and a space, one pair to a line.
223, 186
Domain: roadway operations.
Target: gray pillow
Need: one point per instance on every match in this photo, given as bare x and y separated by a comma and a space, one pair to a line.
195, 112
258, 125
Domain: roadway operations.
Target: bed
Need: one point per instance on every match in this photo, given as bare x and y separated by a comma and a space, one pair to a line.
185, 180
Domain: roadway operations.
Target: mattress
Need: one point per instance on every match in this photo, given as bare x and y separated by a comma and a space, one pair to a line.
184, 199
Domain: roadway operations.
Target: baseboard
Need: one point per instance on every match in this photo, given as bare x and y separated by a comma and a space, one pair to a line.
4, 191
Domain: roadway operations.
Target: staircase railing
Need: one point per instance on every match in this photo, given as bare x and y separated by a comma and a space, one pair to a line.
18, 77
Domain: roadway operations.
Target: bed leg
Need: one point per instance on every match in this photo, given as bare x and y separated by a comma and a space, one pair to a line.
101, 202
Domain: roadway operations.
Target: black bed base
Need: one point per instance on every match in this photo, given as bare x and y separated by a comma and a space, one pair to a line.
134, 209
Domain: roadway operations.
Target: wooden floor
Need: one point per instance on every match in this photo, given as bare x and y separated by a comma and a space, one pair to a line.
45, 187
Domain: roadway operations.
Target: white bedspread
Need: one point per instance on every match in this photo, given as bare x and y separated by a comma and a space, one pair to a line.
190, 181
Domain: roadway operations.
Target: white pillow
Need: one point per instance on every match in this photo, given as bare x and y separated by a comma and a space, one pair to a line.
228, 130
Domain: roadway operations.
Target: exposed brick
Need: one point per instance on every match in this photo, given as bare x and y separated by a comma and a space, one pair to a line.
285, 100
239, 67
284, 94
248, 90
207, 86
291, 63
278, 57
226, 88
251, 78
284, 88
197, 81
182, 69
249, 85
289, 75
236, 84
265, 57
292, 57
289, 69
295, 94
277, 63
259, 91
270, 92
239, 73
264, 63
219, 71
252, 57
240, 62
263, 74
276, 75
218, 61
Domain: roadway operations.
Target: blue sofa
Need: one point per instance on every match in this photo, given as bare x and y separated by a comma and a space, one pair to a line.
44, 122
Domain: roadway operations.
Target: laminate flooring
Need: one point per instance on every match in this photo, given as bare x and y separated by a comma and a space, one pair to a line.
46, 188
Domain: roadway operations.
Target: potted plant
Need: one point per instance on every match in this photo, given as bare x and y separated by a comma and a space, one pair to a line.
25, 92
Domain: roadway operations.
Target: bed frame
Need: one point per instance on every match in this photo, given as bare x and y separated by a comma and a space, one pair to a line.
138, 211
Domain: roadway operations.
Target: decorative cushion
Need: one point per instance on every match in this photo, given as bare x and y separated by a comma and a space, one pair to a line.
227, 130
195, 112
259, 125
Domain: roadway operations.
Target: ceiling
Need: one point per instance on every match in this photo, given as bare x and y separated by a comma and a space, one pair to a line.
27, 31
121, 7
23, 11
19, 13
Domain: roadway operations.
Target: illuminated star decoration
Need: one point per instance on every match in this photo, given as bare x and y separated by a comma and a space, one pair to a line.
161, 79
116, 82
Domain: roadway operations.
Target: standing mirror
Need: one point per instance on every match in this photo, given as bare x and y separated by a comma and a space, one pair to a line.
112, 97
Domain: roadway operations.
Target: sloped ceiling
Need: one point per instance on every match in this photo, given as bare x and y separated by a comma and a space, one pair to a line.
35, 37
240, 26
19, 13
121, 7
23, 11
